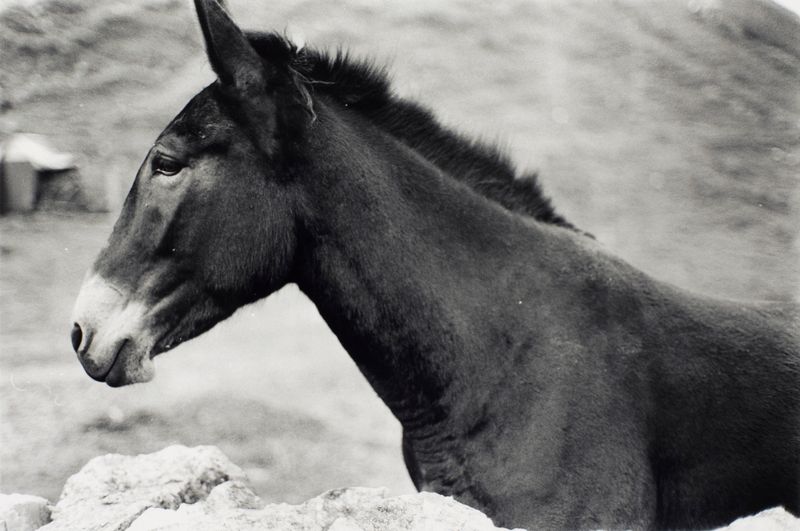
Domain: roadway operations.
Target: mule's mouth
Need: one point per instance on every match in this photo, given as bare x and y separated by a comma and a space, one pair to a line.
127, 366
114, 378
110, 334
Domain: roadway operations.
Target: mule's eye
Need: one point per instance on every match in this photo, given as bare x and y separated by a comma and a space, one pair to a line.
166, 165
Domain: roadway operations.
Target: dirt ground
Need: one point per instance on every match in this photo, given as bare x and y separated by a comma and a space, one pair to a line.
672, 134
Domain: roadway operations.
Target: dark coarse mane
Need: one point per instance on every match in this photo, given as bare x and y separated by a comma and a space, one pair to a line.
364, 87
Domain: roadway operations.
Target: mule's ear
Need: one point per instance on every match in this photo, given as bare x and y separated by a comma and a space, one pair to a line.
235, 62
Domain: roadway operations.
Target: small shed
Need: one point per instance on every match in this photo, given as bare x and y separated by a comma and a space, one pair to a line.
24, 158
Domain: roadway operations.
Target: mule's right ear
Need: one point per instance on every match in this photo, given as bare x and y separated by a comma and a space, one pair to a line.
235, 62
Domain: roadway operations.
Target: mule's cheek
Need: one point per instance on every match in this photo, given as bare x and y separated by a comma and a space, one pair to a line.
110, 334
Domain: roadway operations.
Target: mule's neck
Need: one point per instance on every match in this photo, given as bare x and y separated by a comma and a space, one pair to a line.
406, 265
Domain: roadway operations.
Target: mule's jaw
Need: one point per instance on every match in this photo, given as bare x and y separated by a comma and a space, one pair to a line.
110, 336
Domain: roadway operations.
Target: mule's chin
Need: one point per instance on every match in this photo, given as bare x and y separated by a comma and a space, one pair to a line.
123, 379
130, 370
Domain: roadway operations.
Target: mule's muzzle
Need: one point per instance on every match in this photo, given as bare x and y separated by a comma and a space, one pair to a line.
109, 334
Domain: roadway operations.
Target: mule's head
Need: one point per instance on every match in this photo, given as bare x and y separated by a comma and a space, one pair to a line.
209, 223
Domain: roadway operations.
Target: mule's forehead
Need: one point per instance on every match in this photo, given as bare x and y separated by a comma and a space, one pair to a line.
201, 123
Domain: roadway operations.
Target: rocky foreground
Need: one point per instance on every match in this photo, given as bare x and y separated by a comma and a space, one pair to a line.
180, 488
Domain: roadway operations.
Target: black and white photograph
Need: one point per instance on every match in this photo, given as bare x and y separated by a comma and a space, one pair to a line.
403, 265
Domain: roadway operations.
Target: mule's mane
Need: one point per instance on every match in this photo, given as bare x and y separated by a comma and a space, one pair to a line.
364, 87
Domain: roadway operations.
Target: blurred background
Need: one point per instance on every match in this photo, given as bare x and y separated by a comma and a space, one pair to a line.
668, 129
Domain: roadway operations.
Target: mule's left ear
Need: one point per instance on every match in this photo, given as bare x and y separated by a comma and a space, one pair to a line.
235, 62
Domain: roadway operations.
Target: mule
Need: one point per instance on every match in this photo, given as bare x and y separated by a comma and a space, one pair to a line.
536, 377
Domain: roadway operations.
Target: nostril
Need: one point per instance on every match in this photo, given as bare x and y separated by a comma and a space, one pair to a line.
76, 336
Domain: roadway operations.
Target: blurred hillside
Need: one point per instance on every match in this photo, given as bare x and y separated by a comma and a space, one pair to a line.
669, 129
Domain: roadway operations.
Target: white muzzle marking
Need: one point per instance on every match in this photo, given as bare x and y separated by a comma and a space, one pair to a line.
115, 340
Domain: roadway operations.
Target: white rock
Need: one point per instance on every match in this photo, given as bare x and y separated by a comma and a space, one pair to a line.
232, 495
111, 491
199, 489
344, 523
775, 519
352, 509
22, 512
154, 518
